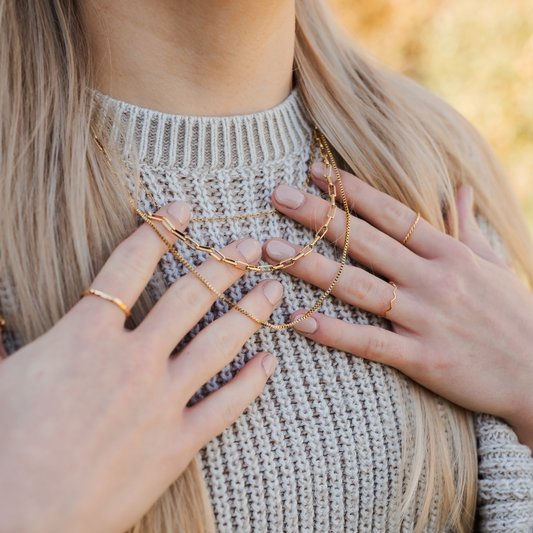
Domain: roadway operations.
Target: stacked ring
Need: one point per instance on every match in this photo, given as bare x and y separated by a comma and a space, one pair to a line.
394, 287
410, 232
119, 303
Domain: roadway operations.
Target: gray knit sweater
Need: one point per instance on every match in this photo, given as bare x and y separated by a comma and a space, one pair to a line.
320, 449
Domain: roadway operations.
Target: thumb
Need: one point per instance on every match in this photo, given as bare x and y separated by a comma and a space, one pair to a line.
469, 231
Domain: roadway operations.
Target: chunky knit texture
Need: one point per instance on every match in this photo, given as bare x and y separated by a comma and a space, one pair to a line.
319, 450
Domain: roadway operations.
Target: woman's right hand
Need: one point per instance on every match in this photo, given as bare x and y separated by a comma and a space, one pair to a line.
94, 423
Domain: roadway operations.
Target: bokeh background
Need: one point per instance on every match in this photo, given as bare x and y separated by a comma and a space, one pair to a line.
477, 54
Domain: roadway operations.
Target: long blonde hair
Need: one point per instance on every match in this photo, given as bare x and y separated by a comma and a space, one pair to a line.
60, 206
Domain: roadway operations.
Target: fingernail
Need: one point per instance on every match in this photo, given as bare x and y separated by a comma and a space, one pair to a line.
307, 326
273, 290
180, 211
250, 249
269, 364
279, 250
289, 197
317, 169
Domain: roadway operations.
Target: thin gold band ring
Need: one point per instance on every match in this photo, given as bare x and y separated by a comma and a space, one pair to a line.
410, 232
119, 303
394, 287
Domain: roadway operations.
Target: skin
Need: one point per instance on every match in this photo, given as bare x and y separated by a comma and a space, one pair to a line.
98, 414
117, 401
461, 320
206, 57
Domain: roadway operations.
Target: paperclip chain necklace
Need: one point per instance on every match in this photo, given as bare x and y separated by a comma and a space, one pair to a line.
329, 166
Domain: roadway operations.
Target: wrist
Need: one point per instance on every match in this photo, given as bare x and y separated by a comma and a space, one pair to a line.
522, 425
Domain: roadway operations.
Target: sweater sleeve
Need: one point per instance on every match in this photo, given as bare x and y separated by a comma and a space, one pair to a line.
505, 493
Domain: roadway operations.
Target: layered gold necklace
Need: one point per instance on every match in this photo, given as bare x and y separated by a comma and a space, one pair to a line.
329, 167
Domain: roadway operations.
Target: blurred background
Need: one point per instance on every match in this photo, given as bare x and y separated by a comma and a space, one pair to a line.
477, 54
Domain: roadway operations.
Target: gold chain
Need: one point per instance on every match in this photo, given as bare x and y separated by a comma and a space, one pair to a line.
219, 256
329, 164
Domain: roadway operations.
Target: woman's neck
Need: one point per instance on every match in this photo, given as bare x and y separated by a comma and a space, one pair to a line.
201, 57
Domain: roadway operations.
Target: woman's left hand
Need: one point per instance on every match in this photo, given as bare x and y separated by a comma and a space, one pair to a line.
462, 321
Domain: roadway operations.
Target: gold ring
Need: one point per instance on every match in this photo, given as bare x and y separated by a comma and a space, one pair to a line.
394, 287
2, 324
410, 232
107, 297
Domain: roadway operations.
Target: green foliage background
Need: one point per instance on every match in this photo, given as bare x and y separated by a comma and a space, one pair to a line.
477, 54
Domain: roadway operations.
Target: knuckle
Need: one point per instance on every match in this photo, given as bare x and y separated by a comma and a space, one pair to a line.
449, 285
376, 346
434, 369
460, 252
224, 345
130, 257
362, 287
232, 410
310, 266
146, 346
336, 336
369, 237
95, 325
188, 295
143, 364
396, 214
138, 373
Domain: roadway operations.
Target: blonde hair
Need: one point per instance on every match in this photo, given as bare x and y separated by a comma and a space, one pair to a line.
60, 206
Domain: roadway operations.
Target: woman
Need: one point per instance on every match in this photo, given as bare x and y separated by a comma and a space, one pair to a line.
97, 421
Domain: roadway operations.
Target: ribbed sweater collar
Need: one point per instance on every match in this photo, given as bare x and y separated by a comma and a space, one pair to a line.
211, 143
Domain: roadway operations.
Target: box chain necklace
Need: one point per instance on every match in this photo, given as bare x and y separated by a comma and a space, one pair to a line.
329, 167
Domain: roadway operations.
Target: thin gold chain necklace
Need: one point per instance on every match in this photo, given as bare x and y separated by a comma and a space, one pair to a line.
253, 215
329, 166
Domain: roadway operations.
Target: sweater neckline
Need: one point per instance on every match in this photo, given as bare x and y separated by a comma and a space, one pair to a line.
184, 142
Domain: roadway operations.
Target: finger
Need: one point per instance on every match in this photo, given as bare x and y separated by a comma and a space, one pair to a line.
214, 414
355, 286
188, 299
469, 231
218, 344
385, 213
132, 264
368, 246
370, 342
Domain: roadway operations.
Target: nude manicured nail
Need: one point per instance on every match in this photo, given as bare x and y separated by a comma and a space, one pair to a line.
269, 364
180, 211
273, 290
279, 250
317, 169
307, 326
289, 197
250, 249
